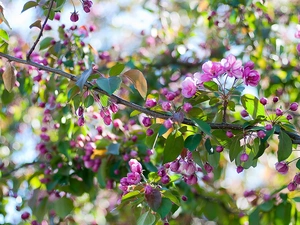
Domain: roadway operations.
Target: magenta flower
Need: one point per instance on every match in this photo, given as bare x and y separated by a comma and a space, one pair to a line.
191, 179
188, 87
219, 148
133, 178
168, 123
232, 66
244, 113
229, 134
135, 166
269, 127
251, 77
210, 70
297, 178
208, 167
174, 166
278, 112
166, 106
282, 167
146, 122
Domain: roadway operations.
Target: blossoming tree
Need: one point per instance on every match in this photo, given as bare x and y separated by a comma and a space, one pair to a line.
151, 136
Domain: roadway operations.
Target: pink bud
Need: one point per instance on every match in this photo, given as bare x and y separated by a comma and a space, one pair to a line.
244, 157
148, 189
278, 112
219, 148
269, 127
80, 121
261, 134
166, 106
74, 17
80, 111
149, 132
146, 122
184, 198
275, 99
187, 107
239, 169
282, 167
229, 134
289, 117
150, 103
165, 179
208, 167
263, 101
297, 178
244, 113
25, 215
292, 186
294, 106
168, 123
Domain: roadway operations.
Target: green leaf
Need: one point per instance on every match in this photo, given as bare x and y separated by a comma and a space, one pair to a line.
63, 207
113, 149
261, 149
296, 199
83, 78
254, 217
165, 207
211, 85
73, 92
4, 35
88, 101
253, 106
173, 147
231, 106
134, 113
168, 194
203, 126
208, 146
116, 69
110, 85
29, 5
266, 206
104, 100
282, 213
101, 174
153, 177
192, 142
130, 195
138, 80
284, 147
45, 43
234, 148
146, 218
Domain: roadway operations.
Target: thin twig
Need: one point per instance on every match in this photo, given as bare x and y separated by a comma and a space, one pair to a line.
41, 32
20, 167
220, 126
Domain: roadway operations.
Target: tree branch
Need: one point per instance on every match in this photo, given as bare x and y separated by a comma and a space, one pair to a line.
20, 167
41, 32
221, 126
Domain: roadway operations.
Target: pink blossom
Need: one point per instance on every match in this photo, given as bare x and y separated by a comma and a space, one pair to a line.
232, 66
135, 166
187, 107
294, 106
168, 123
251, 77
297, 34
261, 134
166, 106
188, 87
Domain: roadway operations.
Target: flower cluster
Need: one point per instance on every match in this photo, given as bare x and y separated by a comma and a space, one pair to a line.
228, 66
133, 177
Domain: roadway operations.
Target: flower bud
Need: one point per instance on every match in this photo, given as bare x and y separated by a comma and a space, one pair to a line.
263, 101
294, 106
292, 186
244, 157
282, 167
261, 134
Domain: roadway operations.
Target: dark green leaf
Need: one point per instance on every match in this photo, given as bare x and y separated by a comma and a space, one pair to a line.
73, 92
173, 147
146, 219
110, 85
165, 208
83, 78
113, 149
296, 199
298, 164
234, 148
261, 149
253, 106
29, 5
45, 43
231, 106
101, 175
63, 207
192, 142
203, 126
282, 214
116, 69
254, 217
285, 146
267, 206
208, 146
88, 101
